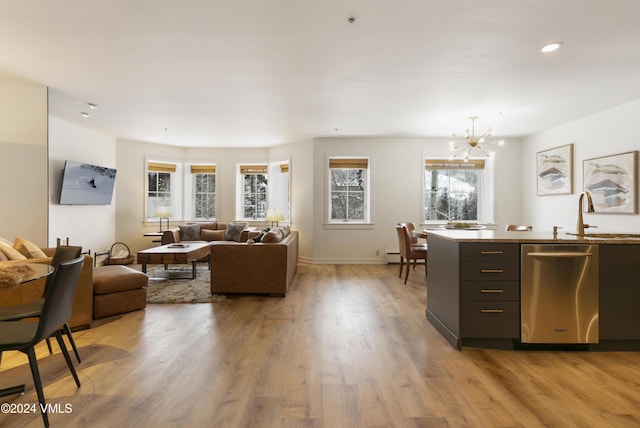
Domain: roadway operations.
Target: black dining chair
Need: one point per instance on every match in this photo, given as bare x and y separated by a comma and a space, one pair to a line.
56, 310
32, 309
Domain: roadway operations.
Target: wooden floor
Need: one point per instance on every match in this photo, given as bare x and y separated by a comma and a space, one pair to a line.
348, 347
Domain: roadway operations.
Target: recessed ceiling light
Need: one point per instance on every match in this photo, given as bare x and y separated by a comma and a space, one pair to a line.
551, 47
85, 114
92, 106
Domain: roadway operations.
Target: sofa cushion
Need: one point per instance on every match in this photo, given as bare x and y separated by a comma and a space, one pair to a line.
233, 231
6, 241
3, 257
116, 278
28, 249
211, 235
190, 232
11, 253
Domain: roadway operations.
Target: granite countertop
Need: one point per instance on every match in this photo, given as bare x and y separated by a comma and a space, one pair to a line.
487, 235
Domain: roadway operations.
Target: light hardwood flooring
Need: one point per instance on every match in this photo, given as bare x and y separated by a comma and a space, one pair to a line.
348, 347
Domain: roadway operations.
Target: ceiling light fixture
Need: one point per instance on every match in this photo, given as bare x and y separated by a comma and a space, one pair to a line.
551, 47
92, 106
473, 142
85, 114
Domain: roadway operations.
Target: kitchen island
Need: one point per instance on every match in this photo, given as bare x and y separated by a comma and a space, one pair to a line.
473, 288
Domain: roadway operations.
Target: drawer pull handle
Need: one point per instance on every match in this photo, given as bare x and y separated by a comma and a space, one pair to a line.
491, 291
491, 311
491, 270
491, 252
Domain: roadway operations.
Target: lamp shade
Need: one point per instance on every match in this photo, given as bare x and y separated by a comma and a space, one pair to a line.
275, 215
162, 212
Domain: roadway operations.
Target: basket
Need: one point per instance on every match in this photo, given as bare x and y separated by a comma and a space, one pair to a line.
119, 258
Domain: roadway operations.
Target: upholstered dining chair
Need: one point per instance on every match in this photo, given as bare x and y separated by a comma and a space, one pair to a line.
518, 228
32, 309
56, 310
411, 227
409, 252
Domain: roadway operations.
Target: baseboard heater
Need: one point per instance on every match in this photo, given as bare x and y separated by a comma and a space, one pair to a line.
393, 258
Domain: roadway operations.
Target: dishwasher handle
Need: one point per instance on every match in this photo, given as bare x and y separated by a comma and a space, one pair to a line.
560, 254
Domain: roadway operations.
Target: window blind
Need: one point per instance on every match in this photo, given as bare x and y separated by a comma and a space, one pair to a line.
203, 169
161, 167
253, 169
349, 163
453, 164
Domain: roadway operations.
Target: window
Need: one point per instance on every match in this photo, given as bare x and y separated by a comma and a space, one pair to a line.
159, 185
204, 191
279, 188
349, 190
253, 182
451, 190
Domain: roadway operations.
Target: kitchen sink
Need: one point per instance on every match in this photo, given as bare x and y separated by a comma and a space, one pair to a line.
606, 235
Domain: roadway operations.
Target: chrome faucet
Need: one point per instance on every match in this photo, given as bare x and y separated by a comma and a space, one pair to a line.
581, 226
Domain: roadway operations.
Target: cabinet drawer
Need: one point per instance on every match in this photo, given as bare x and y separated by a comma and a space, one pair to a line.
490, 290
497, 319
505, 270
489, 251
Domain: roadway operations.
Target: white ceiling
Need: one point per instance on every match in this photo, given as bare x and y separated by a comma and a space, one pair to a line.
257, 73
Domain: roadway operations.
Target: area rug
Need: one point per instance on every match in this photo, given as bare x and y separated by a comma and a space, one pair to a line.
165, 288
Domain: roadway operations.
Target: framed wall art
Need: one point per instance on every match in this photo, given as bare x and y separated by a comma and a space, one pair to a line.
613, 182
554, 170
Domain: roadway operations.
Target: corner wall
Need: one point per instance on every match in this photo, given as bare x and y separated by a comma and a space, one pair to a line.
23, 159
92, 226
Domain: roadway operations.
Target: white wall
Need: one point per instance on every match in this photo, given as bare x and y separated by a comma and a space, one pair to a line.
396, 185
92, 226
608, 132
23, 159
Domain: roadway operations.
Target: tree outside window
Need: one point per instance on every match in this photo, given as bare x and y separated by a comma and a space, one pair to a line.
451, 190
349, 190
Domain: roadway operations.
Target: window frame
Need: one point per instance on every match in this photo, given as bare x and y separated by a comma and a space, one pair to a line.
174, 168
478, 165
362, 163
244, 169
196, 169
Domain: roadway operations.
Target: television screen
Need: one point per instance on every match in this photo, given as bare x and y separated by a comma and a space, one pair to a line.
85, 184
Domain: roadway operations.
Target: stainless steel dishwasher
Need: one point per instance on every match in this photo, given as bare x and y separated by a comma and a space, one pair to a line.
559, 293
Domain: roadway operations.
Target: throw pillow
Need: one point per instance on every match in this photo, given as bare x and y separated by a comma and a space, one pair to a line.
5, 241
233, 231
11, 253
190, 232
261, 235
28, 249
3, 257
211, 235
272, 236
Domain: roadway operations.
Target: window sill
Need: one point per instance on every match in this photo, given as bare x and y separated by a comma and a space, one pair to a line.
361, 226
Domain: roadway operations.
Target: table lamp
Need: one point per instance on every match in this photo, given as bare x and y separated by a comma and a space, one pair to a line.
274, 217
163, 212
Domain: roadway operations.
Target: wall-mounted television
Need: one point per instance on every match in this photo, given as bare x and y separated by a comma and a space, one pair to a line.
86, 184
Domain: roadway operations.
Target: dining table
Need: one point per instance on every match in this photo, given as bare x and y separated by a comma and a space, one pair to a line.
34, 271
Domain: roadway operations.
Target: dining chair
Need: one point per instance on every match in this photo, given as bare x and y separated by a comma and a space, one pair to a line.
409, 252
411, 227
56, 311
32, 309
518, 228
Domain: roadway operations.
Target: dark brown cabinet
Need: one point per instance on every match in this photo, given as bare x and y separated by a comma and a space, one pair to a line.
473, 291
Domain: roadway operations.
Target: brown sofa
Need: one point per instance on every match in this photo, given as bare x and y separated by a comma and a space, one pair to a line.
214, 231
82, 312
266, 267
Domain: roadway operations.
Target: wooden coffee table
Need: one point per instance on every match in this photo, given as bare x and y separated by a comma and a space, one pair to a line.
170, 254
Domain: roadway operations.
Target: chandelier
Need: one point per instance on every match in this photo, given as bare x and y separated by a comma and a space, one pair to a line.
473, 142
